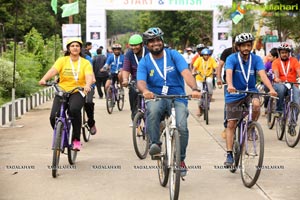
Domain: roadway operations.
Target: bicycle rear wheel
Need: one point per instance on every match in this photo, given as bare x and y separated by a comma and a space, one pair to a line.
162, 163
271, 111
174, 180
292, 134
72, 154
109, 100
120, 101
236, 150
57, 148
139, 136
280, 127
86, 133
206, 103
252, 154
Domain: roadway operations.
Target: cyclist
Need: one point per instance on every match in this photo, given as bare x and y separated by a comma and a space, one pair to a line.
163, 71
73, 71
199, 48
273, 54
285, 69
132, 57
241, 69
205, 66
115, 63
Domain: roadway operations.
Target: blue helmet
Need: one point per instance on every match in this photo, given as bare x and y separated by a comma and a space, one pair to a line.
205, 51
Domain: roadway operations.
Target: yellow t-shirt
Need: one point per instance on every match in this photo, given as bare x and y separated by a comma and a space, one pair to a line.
67, 75
206, 68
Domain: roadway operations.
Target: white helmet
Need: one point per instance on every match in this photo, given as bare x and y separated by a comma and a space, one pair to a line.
244, 37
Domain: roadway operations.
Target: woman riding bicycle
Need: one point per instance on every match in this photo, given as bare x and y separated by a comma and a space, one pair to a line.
74, 71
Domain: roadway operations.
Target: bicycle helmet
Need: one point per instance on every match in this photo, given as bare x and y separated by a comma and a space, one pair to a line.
284, 46
116, 46
244, 37
135, 39
205, 51
71, 40
199, 46
152, 33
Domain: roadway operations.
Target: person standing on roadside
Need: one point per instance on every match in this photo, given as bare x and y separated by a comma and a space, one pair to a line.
101, 76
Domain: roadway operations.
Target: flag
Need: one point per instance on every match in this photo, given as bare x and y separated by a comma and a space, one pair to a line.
54, 6
236, 17
70, 9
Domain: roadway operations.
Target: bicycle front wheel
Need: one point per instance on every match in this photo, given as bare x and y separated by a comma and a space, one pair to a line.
292, 134
174, 180
109, 100
162, 163
86, 133
236, 150
252, 154
120, 101
270, 114
139, 136
72, 154
206, 105
57, 148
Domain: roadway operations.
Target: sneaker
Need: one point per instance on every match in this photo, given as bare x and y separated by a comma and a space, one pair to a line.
154, 149
93, 130
76, 145
183, 169
229, 160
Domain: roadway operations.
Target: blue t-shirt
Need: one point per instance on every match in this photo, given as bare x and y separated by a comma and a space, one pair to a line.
116, 63
175, 65
130, 64
238, 80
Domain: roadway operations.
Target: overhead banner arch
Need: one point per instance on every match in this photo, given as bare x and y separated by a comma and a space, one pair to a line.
96, 17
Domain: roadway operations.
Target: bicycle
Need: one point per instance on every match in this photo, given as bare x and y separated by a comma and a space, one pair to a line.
248, 145
140, 137
114, 94
289, 119
168, 161
86, 130
63, 130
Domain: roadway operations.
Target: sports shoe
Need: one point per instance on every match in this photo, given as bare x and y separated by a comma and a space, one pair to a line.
183, 169
76, 145
93, 130
154, 149
229, 160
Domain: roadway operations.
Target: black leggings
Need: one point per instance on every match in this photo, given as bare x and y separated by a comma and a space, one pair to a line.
76, 102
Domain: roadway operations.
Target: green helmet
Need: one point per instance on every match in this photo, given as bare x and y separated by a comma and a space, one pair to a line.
135, 39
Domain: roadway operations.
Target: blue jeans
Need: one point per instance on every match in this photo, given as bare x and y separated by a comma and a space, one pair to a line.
282, 91
156, 111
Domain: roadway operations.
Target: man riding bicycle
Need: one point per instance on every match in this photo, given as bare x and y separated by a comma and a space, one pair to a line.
162, 72
73, 71
285, 69
132, 57
241, 69
115, 63
204, 66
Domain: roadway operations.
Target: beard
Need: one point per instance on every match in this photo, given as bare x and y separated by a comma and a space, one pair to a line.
285, 58
156, 51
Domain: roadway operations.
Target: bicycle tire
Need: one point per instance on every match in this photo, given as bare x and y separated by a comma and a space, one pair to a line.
162, 163
57, 148
120, 100
280, 127
175, 170
86, 133
72, 154
109, 100
236, 150
206, 103
139, 136
252, 154
270, 113
292, 134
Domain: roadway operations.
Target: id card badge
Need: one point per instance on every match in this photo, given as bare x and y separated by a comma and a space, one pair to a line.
164, 90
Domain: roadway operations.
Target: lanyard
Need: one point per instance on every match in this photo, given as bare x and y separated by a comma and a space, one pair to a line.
165, 67
205, 67
75, 74
287, 70
136, 59
117, 63
243, 70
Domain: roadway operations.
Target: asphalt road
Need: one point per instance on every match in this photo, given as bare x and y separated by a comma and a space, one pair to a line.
107, 167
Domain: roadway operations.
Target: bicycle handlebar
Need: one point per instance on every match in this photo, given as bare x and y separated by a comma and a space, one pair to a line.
189, 97
253, 92
55, 84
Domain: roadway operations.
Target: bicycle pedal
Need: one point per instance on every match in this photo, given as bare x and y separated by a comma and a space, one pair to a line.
156, 156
